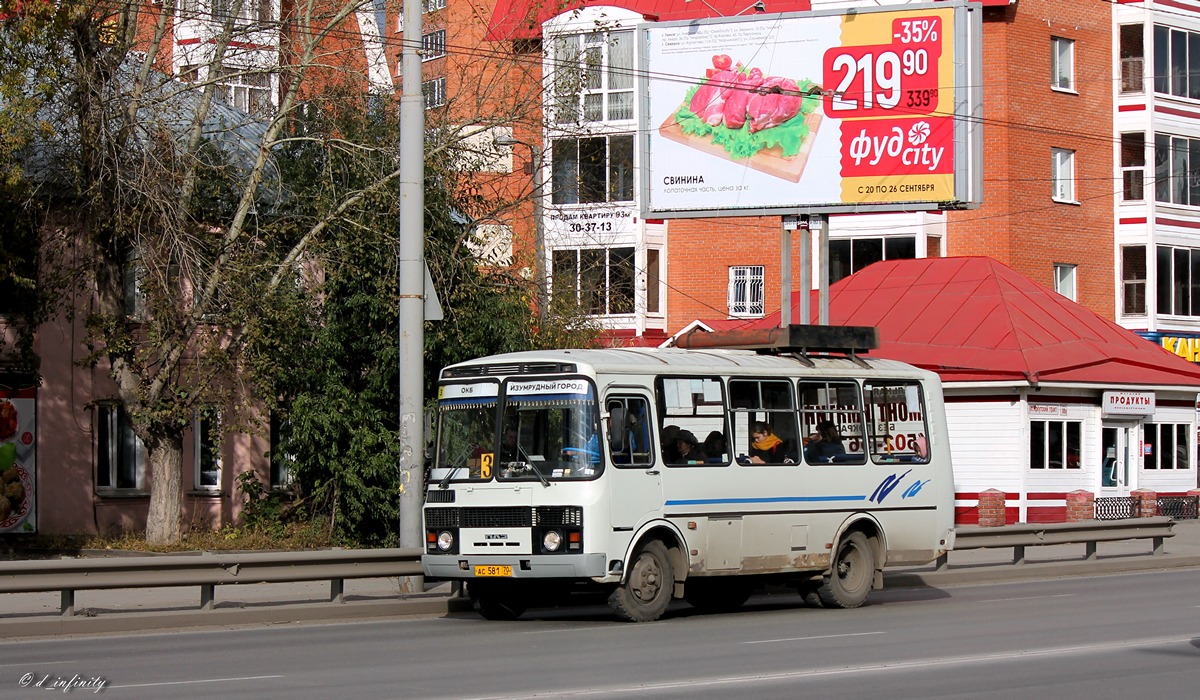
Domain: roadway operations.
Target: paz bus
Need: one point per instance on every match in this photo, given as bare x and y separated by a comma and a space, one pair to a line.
551, 474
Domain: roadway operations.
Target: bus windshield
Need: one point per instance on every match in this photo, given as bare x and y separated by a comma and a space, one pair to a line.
549, 427
542, 429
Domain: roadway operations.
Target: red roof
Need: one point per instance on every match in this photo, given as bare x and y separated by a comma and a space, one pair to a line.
976, 319
522, 19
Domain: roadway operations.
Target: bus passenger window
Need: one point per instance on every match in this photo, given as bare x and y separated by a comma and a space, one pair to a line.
693, 407
896, 422
832, 421
628, 430
764, 421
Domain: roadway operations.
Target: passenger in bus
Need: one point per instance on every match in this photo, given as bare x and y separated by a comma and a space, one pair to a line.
510, 450
827, 447
670, 451
689, 448
767, 447
715, 447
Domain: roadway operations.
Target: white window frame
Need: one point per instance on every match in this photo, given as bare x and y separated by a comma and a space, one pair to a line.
746, 297
431, 5
1062, 175
433, 45
433, 92
114, 436
586, 85
204, 427
1066, 280
1062, 64
248, 90
282, 470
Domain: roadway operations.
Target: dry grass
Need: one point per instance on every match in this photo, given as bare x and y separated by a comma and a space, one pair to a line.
291, 537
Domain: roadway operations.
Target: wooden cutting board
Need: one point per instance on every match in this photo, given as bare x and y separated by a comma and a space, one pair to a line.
769, 160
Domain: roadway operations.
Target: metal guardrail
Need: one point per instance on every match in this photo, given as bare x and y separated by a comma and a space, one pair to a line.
1085, 532
206, 570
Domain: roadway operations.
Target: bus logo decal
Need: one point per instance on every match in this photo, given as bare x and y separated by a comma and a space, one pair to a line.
885, 487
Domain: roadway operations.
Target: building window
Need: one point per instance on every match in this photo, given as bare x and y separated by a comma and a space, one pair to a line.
596, 169
1064, 280
600, 280
1176, 60
206, 437
434, 92
1173, 180
133, 277
1166, 446
433, 45
746, 290
1133, 166
252, 11
1062, 63
1178, 279
1062, 174
120, 455
849, 255
1054, 444
247, 91
1133, 279
1132, 59
431, 5
592, 77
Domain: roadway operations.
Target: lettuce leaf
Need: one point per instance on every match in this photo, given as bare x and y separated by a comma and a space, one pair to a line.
740, 143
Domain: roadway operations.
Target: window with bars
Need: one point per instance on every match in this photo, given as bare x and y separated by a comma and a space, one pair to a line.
1062, 174
594, 169
432, 5
247, 90
599, 280
592, 77
433, 45
746, 290
246, 10
434, 92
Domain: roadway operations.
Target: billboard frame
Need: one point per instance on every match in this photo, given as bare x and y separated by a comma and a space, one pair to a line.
967, 116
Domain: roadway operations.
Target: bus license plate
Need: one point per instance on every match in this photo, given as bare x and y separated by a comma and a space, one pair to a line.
493, 570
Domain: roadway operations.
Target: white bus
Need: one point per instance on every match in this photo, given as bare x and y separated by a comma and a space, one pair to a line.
550, 474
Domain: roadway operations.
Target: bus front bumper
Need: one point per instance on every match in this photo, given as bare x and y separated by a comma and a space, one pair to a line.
470, 566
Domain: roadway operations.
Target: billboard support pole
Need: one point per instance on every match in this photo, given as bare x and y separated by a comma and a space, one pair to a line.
805, 274
785, 276
821, 223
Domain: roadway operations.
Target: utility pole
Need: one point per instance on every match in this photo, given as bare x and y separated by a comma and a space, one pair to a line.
412, 286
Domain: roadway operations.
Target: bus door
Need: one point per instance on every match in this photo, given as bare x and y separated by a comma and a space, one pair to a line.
1120, 450
635, 479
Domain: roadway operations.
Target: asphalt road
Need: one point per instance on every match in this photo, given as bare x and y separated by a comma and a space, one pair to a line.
1118, 636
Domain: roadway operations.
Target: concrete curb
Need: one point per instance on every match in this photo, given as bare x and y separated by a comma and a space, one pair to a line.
1007, 572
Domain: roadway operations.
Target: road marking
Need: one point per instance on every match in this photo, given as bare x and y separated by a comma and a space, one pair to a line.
202, 680
1032, 597
42, 663
803, 674
805, 639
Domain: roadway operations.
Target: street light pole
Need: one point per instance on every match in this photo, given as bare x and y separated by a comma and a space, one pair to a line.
412, 287
539, 236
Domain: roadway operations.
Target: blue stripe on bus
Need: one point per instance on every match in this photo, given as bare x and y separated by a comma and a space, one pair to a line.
780, 499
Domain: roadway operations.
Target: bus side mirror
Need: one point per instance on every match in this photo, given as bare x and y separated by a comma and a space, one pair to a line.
617, 419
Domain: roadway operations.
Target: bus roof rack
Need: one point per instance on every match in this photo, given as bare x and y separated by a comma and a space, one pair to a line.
796, 338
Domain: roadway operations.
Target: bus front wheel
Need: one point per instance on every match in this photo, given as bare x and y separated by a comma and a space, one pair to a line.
852, 573
648, 587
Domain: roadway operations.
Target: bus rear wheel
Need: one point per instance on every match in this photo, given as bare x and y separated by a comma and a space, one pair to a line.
494, 602
648, 587
851, 575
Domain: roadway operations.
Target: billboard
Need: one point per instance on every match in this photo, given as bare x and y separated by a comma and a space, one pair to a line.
877, 109
18, 430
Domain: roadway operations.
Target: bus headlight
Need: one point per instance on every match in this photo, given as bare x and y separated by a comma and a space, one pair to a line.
445, 540
552, 540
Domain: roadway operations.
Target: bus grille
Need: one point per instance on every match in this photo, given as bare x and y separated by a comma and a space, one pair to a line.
518, 368
508, 516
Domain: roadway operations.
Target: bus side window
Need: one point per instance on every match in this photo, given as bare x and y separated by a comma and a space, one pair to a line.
629, 431
693, 407
764, 418
896, 422
831, 420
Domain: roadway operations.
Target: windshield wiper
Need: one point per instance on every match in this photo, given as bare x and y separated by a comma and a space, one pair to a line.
445, 482
516, 468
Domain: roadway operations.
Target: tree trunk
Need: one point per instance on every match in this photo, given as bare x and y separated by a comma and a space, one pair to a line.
164, 522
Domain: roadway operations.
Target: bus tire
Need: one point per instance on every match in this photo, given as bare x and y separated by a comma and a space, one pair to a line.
810, 592
716, 596
648, 588
851, 575
494, 603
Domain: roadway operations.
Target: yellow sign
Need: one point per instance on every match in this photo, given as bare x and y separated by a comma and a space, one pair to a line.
1187, 348
485, 464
